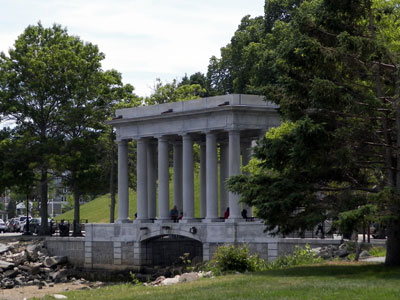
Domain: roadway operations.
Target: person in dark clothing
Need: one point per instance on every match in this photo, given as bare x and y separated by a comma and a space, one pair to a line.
226, 214
174, 214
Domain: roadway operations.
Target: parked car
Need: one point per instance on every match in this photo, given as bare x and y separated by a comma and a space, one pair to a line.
22, 222
2, 226
13, 225
34, 225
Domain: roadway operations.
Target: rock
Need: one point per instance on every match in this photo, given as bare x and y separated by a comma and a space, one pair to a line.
34, 247
32, 251
158, 280
341, 253
316, 250
31, 268
4, 248
7, 283
364, 254
96, 284
58, 296
170, 281
53, 261
60, 275
20, 258
19, 280
205, 274
11, 273
188, 277
43, 252
45, 270
6, 265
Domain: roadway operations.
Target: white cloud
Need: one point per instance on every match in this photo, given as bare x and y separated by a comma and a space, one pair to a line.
140, 38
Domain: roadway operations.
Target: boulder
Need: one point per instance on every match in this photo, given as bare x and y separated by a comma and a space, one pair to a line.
170, 281
5, 265
58, 296
364, 254
4, 248
207, 274
11, 273
7, 283
20, 258
59, 276
31, 268
45, 270
33, 250
188, 277
158, 280
53, 261
341, 253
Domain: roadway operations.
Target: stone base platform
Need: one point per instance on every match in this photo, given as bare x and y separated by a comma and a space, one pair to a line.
133, 246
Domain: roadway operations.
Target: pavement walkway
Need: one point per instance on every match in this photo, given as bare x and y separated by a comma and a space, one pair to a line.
374, 259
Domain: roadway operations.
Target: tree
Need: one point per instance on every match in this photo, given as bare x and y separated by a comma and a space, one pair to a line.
18, 168
241, 60
336, 79
200, 79
174, 91
52, 85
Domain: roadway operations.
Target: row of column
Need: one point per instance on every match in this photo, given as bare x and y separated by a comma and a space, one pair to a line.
183, 178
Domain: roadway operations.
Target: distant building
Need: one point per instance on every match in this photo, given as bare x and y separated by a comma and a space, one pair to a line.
4, 200
58, 199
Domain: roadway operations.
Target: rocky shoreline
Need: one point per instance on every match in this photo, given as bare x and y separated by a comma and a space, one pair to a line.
29, 263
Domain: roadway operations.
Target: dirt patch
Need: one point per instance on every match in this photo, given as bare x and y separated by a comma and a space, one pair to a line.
29, 292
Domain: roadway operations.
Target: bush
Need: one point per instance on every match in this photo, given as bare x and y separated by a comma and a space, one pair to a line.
377, 251
229, 258
300, 256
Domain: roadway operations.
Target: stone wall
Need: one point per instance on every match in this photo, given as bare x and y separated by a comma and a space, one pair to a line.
127, 247
72, 247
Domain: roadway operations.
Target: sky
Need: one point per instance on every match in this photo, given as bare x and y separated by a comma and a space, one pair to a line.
142, 39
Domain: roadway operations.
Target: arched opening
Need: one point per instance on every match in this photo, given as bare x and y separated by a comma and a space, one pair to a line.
168, 250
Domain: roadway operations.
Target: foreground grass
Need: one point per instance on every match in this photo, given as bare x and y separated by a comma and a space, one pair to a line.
327, 281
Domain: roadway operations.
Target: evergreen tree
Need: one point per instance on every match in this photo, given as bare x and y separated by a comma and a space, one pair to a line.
335, 77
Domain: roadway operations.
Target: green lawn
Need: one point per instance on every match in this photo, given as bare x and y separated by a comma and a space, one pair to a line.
328, 281
98, 210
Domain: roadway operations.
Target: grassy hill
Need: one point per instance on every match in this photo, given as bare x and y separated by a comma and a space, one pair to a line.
98, 210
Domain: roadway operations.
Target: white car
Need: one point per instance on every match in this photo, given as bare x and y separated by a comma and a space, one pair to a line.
2, 226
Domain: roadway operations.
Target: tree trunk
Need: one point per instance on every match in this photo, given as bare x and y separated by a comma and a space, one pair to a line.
112, 185
76, 223
393, 243
393, 228
356, 245
44, 227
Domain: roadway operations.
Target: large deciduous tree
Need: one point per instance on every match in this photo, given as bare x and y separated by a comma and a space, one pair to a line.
335, 67
53, 86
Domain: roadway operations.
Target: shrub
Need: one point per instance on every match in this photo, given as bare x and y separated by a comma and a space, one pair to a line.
229, 258
377, 251
300, 256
